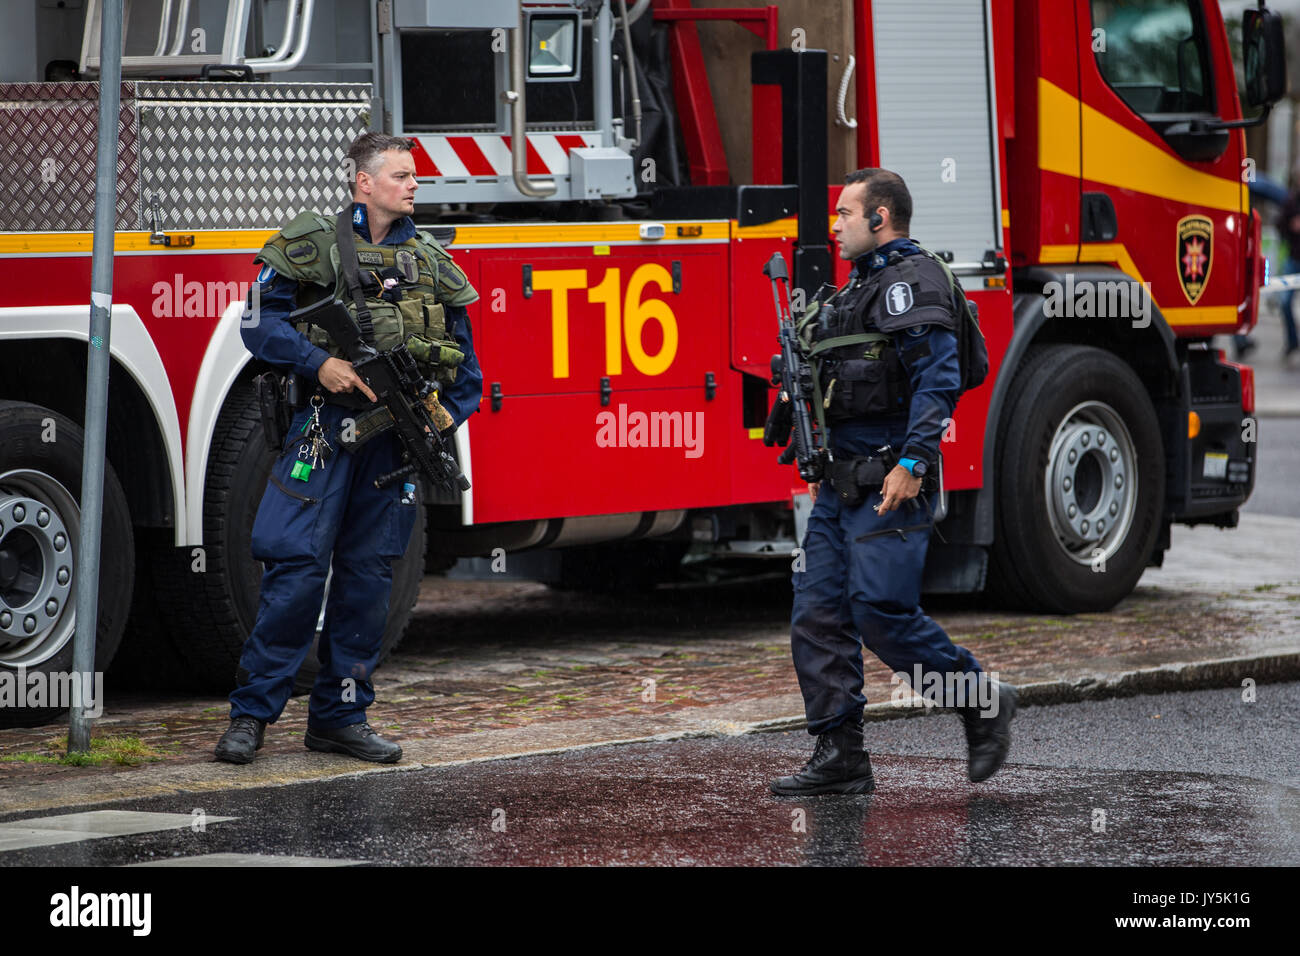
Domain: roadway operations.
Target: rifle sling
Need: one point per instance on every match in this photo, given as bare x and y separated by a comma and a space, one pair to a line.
352, 278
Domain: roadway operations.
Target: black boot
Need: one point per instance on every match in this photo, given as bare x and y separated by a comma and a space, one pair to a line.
241, 740
358, 740
839, 764
989, 736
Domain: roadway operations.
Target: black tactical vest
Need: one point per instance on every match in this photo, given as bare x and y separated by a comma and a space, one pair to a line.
850, 338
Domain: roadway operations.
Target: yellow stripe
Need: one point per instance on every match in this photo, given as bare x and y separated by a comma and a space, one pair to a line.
596, 233
777, 229
1058, 130
1058, 253
1203, 315
1116, 156
593, 232
1110, 252
38, 243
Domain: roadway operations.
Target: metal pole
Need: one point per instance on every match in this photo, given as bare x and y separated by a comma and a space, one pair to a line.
97, 364
602, 50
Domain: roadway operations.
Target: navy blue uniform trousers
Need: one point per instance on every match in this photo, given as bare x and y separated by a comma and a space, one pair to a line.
852, 594
364, 530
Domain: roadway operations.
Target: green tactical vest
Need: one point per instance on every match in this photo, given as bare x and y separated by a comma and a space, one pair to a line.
307, 251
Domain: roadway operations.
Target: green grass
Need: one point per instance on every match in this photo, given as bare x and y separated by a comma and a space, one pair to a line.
121, 751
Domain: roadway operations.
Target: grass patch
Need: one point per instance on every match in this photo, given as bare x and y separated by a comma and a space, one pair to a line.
121, 751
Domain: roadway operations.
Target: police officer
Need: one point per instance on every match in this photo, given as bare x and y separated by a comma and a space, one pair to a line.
331, 512
890, 378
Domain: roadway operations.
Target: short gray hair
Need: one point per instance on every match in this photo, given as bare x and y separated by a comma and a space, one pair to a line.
367, 152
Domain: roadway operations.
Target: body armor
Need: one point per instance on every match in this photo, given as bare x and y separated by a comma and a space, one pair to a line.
850, 336
413, 310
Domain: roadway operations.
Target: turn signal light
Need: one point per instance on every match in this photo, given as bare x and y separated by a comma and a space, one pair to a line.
1193, 424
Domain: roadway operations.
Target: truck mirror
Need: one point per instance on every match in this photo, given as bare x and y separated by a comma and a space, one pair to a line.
1264, 51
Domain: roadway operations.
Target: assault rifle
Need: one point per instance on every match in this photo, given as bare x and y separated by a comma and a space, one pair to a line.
793, 410
400, 387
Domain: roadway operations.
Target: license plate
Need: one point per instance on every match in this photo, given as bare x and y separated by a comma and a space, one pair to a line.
1216, 465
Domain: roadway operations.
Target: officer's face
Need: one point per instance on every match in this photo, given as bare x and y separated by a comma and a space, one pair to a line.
851, 230
391, 188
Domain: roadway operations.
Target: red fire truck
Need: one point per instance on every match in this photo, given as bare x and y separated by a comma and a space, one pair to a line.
612, 177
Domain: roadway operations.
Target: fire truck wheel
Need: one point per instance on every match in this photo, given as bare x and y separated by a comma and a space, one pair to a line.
1080, 479
40, 525
207, 599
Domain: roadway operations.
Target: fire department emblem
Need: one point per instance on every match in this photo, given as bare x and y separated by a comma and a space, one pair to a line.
1195, 255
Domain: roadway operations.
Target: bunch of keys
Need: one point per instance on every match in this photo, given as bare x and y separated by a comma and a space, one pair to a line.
315, 449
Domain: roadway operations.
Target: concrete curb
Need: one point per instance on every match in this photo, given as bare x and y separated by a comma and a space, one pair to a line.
1197, 675
193, 778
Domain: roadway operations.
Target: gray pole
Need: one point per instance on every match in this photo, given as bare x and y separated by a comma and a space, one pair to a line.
101, 302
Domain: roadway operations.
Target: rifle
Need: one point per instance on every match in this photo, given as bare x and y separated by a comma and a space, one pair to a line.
794, 376
400, 387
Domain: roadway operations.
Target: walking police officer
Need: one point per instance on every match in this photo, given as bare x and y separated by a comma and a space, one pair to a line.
890, 378
310, 517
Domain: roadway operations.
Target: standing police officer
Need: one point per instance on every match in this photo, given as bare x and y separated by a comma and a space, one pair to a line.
891, 379
332, 511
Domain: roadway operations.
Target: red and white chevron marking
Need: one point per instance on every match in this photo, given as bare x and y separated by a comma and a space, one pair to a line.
487, 154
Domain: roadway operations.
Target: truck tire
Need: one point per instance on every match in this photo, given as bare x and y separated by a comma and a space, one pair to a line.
1080, 482
40, 524
207, 616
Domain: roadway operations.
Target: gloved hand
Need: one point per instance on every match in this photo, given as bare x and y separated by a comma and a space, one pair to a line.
780, 423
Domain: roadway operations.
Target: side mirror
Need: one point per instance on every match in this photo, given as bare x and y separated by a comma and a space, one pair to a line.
1264, 51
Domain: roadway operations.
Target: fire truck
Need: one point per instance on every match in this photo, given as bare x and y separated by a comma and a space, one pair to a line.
612, 176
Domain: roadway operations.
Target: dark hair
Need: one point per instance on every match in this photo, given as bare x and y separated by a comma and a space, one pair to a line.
367, 150
885, 188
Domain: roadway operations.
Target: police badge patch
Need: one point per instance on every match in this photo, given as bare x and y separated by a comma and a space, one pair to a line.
1195, 255
898, 298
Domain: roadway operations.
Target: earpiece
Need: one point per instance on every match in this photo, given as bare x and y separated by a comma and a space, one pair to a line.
875, 222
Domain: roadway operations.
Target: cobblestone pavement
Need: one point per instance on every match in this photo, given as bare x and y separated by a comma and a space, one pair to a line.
506, 666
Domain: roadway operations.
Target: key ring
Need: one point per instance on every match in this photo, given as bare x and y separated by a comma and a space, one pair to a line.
304, 451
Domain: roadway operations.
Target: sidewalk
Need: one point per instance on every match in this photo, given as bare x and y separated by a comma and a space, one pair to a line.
1277, 384
532, 670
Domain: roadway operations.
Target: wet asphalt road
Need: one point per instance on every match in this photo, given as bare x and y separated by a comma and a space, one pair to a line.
1198, 778
1279, 463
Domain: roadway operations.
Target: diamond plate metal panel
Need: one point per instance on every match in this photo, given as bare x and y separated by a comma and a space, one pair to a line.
251, 156
48, 136
254, 92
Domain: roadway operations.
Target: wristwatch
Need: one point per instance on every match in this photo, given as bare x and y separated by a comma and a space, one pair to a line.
915, 467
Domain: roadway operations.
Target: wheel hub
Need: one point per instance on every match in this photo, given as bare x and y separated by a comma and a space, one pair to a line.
1091, 479
1088, 478
35, 568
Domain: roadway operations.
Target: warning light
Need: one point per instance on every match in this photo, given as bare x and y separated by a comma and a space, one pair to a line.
690, 232
1193, 424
